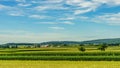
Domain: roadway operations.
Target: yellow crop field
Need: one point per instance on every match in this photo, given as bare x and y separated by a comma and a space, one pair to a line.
59, 64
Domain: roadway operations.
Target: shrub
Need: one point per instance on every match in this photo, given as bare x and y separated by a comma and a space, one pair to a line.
82, 49
103, 47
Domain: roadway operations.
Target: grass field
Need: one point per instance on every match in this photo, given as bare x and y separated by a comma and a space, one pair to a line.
59, 64
61, 54
60, 58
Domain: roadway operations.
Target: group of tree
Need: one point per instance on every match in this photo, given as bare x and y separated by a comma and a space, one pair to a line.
8, 46
30, 45
102, 48
82, 49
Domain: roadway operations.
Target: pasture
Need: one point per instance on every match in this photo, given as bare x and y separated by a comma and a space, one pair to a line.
59, 64
60, 58
61, 54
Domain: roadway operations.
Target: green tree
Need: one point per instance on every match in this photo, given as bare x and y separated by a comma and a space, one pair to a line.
81, 44
103, 47
82, 49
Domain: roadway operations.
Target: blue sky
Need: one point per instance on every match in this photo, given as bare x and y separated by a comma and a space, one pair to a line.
58, 20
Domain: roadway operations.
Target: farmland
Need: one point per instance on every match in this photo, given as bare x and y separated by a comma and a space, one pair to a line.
60, 57
59, 64
61, 54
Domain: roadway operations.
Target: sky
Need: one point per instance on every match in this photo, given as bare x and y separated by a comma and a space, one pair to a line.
38, 21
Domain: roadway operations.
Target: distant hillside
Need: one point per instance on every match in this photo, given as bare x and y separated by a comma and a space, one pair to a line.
60, 42
100, 41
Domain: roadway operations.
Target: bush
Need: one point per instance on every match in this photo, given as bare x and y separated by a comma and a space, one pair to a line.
82, 49
103, 47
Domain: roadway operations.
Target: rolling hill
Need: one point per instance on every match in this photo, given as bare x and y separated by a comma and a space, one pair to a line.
99, 41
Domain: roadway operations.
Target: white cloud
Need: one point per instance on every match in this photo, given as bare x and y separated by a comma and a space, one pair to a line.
12, 11
79, 6
21, 1
38, 16
73, 2
82, 17
107, 18
68, 22
47, 23
25, 5
53, 1
117, 2
57, 23
57, 28
50, 7
67, 18
47, 1
34, 2
108, 2
2, 7
41, 8
84, 6
15, 13
111, 19
76, 12
73, 18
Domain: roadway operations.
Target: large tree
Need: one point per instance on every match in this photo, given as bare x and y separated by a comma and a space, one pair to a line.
82, 49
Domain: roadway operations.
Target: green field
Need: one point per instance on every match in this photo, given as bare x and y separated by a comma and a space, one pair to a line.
60, 58
59, 64
61, 54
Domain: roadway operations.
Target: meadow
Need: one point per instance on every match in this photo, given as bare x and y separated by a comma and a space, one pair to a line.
61, 54
60, 57
59, 64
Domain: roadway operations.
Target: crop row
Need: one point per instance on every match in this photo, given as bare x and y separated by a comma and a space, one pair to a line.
69, 58
64, 54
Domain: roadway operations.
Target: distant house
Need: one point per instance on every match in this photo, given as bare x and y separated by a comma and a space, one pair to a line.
44, 46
